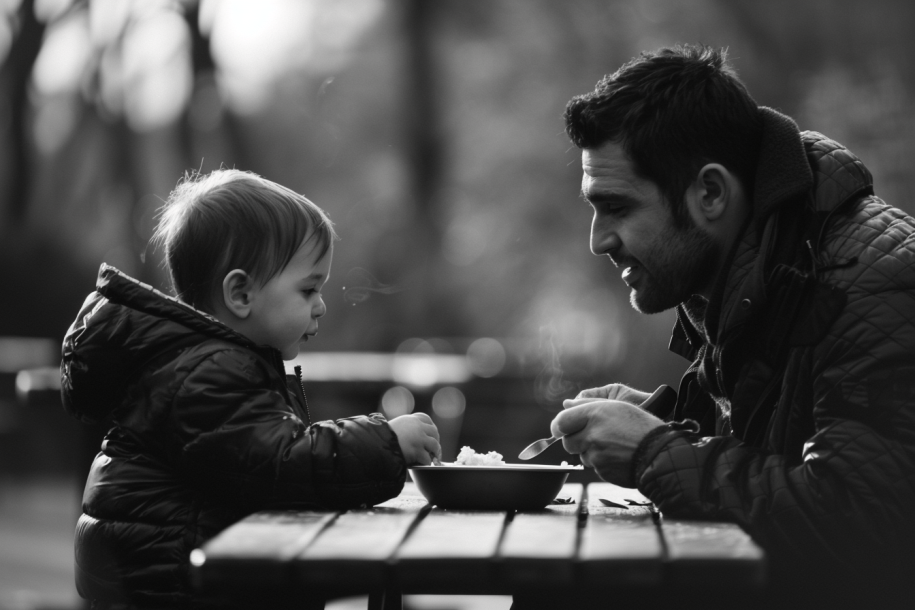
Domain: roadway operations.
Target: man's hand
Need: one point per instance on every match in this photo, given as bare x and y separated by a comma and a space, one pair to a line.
605, 433
614, 391
418, 438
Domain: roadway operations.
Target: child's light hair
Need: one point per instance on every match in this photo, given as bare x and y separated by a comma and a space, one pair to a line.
231, 219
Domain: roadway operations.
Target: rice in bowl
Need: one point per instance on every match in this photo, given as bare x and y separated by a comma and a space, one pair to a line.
469, 457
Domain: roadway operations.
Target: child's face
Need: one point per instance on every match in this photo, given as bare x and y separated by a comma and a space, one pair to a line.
286, 309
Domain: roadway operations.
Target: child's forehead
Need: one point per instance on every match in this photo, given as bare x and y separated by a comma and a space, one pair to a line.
312, 252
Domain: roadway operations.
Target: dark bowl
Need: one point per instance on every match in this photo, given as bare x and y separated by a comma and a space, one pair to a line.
503, 487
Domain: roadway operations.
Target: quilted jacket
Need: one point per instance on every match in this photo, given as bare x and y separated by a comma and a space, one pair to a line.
802, 387
207, 428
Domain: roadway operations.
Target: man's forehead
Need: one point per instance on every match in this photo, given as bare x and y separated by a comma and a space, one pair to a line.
608, 174
604, 159
607, 163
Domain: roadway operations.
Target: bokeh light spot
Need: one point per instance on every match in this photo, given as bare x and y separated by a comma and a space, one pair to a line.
397, 401
62, 61
486, 357
448, 402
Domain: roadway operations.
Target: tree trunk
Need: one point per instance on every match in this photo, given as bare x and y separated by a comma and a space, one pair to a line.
15, 77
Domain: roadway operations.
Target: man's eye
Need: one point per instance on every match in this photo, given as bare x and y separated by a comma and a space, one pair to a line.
614, 210
609, 209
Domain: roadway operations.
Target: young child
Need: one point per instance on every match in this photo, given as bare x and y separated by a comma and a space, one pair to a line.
207, 427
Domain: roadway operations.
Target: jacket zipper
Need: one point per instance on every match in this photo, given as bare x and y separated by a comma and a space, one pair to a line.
298, 375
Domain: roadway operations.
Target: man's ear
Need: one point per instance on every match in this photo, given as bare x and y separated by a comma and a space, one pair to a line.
237, 294
711, 192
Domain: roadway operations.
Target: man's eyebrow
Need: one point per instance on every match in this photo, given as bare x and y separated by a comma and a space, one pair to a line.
604, 197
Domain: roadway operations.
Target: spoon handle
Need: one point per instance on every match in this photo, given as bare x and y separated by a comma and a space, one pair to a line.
537, 447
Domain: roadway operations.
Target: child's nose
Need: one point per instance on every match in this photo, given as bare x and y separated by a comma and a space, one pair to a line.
320, 309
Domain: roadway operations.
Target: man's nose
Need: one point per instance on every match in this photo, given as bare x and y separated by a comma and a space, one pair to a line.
604, 238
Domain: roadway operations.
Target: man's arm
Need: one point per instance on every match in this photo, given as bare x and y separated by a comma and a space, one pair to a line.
849, 497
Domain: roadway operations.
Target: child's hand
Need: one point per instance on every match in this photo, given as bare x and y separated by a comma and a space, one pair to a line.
418, 438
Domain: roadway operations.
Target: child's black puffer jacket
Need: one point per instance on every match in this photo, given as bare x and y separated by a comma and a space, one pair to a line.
207, 428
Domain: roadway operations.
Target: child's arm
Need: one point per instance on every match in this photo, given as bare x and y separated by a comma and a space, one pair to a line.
235, 435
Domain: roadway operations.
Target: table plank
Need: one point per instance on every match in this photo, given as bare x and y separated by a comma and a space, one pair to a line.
357, 547
406, 545
539, 547
704, 553
619, 546
452, 551
257, 550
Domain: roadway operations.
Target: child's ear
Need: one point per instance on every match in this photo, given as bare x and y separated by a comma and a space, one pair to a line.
237, 293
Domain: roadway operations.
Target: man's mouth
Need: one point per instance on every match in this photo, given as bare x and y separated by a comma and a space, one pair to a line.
631, 274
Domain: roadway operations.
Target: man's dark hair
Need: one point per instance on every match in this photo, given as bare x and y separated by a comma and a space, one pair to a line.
672, 111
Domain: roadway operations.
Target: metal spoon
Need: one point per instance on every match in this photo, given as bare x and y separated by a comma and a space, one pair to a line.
537, 447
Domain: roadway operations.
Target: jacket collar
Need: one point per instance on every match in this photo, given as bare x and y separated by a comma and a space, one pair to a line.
782, 171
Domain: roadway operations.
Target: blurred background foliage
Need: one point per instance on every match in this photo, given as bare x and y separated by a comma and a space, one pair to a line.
431, 132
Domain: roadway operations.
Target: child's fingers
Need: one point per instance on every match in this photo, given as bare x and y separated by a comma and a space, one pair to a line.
432, 430
423, 417
422, 459
427, 425
432, 446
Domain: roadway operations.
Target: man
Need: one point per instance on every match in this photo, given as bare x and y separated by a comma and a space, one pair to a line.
794, 287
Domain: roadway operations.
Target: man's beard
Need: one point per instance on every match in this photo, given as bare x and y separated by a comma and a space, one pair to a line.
679, 263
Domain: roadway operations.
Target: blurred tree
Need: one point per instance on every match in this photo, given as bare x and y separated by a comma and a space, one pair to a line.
431, 132
14, 79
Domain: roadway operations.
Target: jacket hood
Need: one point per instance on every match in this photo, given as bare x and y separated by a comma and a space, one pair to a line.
121, 326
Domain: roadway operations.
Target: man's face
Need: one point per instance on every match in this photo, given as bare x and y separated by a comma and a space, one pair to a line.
662, 264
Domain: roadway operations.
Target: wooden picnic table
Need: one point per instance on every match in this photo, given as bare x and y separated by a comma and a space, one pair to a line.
406, 546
